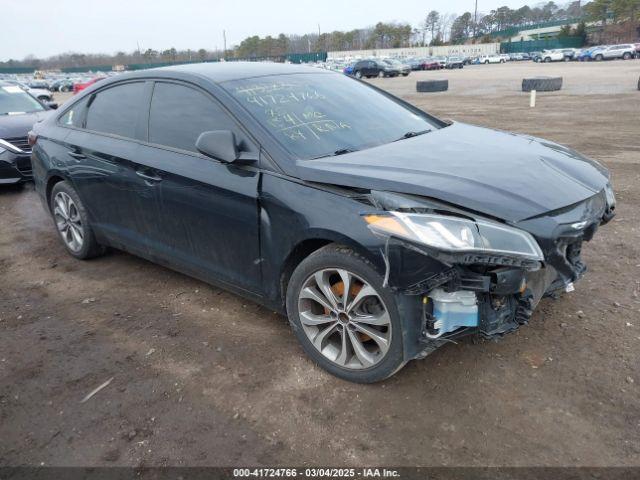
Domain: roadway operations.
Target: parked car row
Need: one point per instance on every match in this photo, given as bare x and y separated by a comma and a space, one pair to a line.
625, 51
42, 86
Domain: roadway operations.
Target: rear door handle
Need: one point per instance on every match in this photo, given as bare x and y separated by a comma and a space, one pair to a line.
148, 177
77, 156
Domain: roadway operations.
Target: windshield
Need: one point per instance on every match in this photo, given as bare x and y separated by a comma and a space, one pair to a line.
315, 115
14, 100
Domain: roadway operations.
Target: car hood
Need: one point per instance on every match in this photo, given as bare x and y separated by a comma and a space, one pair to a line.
504, 175
12, 126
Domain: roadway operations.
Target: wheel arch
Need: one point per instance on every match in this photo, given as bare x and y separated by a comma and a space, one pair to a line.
52, 180
305, 247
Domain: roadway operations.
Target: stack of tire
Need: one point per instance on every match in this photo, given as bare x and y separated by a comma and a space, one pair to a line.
542, 84
432, 85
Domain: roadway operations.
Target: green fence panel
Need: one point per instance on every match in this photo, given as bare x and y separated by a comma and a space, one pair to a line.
538, 45
292, 57
511, 31
92, 68
16, 70
307, 57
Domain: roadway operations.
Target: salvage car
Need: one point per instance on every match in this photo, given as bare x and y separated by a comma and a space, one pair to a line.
19, 110
625, 51
403, 68
381, 231
493, 58
454, 62
551, 56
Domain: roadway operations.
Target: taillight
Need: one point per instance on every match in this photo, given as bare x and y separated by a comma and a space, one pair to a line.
32, 138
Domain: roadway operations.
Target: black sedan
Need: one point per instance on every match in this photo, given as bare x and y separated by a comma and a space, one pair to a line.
381, 231
18, 112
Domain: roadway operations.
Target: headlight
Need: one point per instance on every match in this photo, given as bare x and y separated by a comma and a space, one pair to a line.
456, 234
611, 197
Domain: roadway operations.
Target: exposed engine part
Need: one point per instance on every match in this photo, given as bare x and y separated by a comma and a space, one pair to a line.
497, 313
449, 311
525, 307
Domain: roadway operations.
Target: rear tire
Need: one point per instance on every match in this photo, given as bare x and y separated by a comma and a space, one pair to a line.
340, 351
626, 56
72, 222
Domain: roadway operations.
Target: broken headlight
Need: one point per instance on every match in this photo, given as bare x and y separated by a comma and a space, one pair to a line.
456, 234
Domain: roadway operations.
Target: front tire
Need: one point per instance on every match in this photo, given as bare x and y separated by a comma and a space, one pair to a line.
358, 74
345, 320
72, 222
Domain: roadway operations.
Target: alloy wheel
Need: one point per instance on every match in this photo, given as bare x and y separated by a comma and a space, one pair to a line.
68, 221
344, 318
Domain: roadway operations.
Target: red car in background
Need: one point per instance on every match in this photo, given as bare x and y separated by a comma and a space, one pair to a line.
78, 87
431, 64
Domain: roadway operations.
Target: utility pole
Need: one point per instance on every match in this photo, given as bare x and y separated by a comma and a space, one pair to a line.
224, 39
475, 19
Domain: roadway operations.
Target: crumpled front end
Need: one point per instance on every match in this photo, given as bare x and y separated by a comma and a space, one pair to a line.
488, 294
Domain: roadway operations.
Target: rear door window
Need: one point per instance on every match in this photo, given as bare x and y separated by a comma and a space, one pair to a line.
74, 116
117, 110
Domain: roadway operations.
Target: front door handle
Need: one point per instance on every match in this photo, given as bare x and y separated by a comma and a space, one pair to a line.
77, 156
148, 176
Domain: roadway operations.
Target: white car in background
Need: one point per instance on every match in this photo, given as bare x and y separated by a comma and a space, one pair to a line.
626, 51
40, 93
493, 58
551, 56
505, 56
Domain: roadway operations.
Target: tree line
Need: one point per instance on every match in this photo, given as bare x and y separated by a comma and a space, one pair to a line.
436, 28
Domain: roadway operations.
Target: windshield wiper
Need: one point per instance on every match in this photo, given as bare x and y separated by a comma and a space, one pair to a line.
412, 134
340, 151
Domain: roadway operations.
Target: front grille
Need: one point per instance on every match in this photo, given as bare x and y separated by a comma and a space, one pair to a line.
21, 142
23, 164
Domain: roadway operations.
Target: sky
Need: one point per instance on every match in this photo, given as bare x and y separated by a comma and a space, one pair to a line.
44, 27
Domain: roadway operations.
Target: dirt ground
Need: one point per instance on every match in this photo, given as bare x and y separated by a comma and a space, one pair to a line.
203, 377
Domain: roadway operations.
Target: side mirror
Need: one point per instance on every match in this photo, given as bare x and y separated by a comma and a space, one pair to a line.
218, 144
51, 105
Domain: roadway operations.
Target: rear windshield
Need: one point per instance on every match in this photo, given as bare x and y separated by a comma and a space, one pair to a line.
14, 100
315, 115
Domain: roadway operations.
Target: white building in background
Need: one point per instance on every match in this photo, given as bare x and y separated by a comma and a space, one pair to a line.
412, 52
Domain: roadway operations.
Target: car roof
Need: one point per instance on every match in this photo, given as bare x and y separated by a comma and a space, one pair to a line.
225, 71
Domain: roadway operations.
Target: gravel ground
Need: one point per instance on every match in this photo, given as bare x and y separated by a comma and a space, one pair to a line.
203, 377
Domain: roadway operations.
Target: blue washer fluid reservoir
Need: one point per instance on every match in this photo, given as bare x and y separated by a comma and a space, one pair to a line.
453, 310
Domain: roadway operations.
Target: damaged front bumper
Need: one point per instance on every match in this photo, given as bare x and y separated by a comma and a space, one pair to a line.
450, 295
